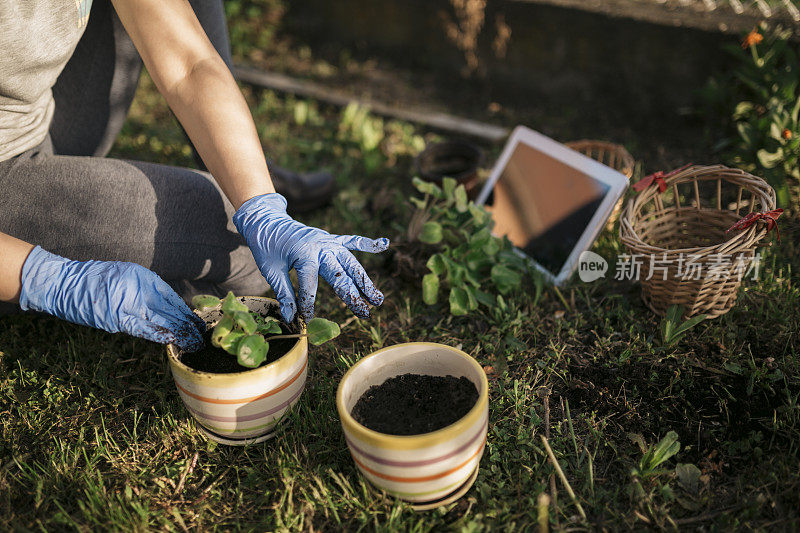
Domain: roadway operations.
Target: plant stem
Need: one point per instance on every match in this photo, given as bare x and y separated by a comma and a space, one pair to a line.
293, 336
572, 434
561, 297
563, 477
543, 502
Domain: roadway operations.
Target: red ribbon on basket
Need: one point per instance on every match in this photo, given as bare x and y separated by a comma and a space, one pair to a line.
659, 178
770, 218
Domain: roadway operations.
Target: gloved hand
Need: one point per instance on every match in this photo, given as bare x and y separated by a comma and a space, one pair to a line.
280, 243
109, 295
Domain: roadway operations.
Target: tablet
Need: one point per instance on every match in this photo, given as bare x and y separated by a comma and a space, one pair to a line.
551, 202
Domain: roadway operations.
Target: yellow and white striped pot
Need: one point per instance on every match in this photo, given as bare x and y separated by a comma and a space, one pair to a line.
426, 468
242, 407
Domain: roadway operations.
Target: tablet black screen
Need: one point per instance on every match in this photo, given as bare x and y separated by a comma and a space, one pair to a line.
544, 205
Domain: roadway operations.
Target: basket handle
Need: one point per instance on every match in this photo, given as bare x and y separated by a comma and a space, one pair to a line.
768, 217
658, 178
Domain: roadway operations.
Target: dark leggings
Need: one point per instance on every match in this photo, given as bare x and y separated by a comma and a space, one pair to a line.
65, 196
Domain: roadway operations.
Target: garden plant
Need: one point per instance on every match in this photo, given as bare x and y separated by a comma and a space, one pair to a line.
764, 90
471, 266
246, 334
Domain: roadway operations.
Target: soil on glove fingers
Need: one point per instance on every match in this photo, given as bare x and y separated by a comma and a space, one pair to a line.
218, 361
411, 404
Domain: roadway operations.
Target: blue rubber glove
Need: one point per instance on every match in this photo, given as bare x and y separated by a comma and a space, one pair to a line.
109, 295
280, 243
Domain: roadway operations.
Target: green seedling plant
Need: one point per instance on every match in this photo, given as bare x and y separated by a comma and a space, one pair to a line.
472, 266
246, 335
654, 456
647, 474
673, 329
763, 92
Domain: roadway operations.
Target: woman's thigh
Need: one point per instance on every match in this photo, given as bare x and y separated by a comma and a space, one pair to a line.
172, 220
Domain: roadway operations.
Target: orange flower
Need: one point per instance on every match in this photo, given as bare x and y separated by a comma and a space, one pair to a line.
786, 134
752, 39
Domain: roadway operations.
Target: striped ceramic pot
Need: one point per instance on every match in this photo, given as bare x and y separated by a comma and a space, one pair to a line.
243, 407
430, 468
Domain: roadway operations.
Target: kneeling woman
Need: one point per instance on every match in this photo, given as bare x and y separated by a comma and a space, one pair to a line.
119, 245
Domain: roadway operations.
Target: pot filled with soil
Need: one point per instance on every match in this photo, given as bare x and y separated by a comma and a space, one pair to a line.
415, 418
451, 159
235, 404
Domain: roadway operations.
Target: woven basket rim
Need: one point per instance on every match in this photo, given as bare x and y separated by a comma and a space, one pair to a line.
742, 240
629, 162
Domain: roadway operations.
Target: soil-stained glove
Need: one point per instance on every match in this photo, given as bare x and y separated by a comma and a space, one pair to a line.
280, 243
109, 295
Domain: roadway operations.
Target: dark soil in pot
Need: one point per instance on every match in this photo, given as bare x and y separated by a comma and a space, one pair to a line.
455, 159
411, 404
218, 361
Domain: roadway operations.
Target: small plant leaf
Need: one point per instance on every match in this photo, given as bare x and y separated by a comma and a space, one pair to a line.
437, 265
245, 320
455, 273
491, 247
505, 279
672, 329
484, 298
479, 214
470, 277
426, 187
231, 304
471, 298
270, 326
479, 239
476, 260
668, 324
510, 258
664, 450
419, 203
461, 199
431, 233
538, 282
742, 109
688, 477
459, 301
448, 187
321, 330
251, 351
205, 301
221, 330
430, 288
501, 303
769, 159
230, 342
688, 324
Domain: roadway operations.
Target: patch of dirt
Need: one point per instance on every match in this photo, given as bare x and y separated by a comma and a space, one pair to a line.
706, 409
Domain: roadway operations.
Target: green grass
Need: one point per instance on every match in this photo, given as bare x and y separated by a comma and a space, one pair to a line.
94, 435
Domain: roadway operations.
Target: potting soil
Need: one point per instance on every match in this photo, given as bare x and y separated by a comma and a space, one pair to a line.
411, 404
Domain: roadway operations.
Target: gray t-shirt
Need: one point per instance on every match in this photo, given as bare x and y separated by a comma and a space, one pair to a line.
37, 37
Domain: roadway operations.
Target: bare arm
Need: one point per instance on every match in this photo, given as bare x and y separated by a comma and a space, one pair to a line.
201, 91
13, 253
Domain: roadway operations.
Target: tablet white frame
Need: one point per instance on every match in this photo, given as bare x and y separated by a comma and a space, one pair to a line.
616, 182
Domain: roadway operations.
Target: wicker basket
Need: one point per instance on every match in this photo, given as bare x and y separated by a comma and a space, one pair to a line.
682, 237
611, 155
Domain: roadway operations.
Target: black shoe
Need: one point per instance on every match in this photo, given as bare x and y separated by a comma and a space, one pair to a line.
303, 192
